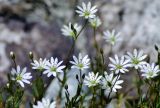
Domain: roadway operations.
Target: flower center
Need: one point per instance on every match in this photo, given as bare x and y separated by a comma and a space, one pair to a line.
72, 33
150, 74
86, 13
80, 65
135, 61
53, 69
113, 39
93, 82
40, 68
19, 77
119, 66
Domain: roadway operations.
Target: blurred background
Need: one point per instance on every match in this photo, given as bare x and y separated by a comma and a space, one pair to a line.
35, 25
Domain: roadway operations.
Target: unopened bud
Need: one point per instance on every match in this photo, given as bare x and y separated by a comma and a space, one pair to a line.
66, 87
12, 55
156, 47
8, 85
101, 51
83, 76
31, 55
77, 77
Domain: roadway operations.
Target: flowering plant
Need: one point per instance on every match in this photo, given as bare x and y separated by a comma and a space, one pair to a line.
99, 82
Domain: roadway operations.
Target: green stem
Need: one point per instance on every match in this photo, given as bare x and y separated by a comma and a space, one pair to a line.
113, 86
93, 97
103, 63
69, 55
82, 29
80, 76
95, 41
139, 83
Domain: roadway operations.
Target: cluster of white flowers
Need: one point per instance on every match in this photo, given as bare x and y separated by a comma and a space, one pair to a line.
50, 67
117, 64
108, 82
88, 12
111, 82
136, 60
45, 103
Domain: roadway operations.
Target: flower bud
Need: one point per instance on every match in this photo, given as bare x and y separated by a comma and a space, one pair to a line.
31, 55
83, 76
101, 51
12, 55
66, 87
77, 77
156, 47
8, 85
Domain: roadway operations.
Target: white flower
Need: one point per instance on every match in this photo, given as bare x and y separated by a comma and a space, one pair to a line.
21, 76
119, 64
136, 59
95, 22
150, 71
45, 103
111, 37
40, 65
92, 79
67, 30
80, 62
110, 82
86, 10
53, 67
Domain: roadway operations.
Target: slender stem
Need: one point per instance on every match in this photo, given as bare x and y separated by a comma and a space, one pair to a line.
103, 63
74, 42
80, 76
139, 83
113, 86
139, 75
82, 28
93, 97
69, 55
95, 41
15, 64
59, 79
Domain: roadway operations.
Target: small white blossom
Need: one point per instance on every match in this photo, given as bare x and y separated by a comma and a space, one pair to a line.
110, 82
150, 71
111, 37
80, 62
45, 103
53, 67
21, 76
119, 64
92, 79
40, 65
95, 22
136, 59
87, 11
67, 30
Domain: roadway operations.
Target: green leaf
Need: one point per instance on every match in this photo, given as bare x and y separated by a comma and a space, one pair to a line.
38, 88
